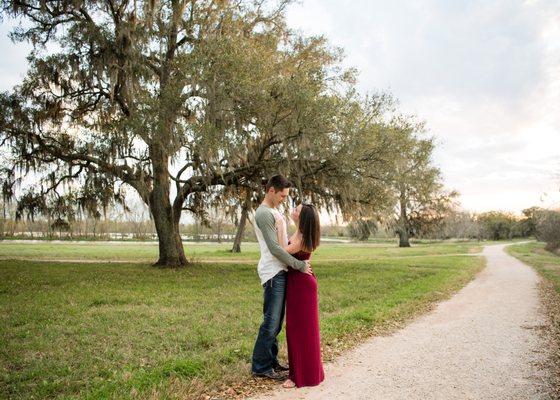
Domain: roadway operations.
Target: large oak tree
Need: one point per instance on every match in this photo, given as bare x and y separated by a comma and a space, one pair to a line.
182, 98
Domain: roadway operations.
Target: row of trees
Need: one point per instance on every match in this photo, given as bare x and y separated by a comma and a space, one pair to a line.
131, 227
453, 223
191, 103
493, 225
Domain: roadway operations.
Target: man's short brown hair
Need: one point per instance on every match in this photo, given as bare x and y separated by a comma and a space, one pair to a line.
278, 182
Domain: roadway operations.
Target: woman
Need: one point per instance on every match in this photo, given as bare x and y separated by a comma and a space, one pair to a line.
302, 311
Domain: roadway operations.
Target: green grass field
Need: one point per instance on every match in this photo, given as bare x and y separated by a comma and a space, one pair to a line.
102, 330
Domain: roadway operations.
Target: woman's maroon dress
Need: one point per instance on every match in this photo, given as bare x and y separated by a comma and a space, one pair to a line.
302, 327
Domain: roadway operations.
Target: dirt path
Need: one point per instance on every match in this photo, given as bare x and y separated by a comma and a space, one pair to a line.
483, 343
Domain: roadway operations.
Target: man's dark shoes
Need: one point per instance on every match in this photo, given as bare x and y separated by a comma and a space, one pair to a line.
272, 374
281, 368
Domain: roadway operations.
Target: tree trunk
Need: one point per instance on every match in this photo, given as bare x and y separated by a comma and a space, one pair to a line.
242, 223
219, 226
166, 219
171, 251
403, 223
240, 230
403, 239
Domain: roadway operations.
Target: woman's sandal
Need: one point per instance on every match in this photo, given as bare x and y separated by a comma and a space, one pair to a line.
288, 384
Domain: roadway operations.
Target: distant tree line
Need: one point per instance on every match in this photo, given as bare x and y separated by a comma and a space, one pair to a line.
451, 223
535, 222
127, 226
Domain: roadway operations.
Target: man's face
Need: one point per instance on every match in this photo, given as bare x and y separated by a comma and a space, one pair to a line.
280, 196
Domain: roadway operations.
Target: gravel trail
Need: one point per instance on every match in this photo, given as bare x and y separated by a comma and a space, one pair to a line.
482, 343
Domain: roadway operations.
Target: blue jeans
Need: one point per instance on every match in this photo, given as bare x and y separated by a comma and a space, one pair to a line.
265, 353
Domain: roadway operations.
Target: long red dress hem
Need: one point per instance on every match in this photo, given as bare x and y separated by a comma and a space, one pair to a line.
302, 327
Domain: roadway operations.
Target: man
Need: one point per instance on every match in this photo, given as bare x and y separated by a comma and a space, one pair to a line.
272, 269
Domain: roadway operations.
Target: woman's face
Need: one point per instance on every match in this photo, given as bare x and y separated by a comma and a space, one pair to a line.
295, 214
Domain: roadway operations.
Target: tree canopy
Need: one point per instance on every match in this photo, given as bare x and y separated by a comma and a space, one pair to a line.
191, 103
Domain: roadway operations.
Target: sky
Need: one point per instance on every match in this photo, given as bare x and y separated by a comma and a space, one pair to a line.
484, 75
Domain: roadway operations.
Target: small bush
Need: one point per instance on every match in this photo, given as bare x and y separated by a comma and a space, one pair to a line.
548, 228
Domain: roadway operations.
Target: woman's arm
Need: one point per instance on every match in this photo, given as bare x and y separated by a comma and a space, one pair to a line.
291, 248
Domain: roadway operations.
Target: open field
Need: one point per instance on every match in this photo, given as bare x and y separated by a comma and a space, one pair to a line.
128, 330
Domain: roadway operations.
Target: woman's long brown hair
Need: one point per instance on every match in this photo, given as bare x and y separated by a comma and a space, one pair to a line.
310, 227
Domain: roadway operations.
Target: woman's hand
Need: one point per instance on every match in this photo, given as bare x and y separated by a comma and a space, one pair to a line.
308, 270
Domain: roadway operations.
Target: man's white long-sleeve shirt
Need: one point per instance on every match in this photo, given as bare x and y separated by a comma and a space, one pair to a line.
273, 257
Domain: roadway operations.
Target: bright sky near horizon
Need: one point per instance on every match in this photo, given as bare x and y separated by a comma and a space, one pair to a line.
485, 75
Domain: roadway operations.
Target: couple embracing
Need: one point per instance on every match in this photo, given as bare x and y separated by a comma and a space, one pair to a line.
290, 288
